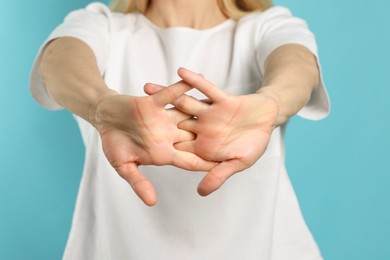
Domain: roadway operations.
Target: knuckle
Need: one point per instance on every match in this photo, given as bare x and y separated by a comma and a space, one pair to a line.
195, 163
121, 170
182, 102
171, 93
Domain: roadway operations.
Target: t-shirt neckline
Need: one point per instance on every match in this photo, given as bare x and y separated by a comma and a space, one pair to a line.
217, 27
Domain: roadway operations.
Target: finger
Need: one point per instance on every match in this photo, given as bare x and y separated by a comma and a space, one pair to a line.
201, 84
207, 101
190, 105
184, 136
191, 162
188, 125
185, 146
151, 88
169, 94
178, 115
140, 184
218, 175
185, 103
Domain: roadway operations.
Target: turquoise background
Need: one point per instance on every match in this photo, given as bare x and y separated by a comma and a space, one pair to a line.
339, 166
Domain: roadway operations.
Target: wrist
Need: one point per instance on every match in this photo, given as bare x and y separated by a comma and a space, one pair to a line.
99, 98
275, 100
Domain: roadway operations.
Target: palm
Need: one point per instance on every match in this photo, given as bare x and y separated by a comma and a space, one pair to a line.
139, 130
150, 144
226, 130
232, 130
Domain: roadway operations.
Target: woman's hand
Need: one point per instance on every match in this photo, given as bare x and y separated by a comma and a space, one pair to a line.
233, 130
139, 130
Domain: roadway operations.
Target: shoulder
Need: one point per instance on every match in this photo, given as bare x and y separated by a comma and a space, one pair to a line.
94, 10
274, 21
259, 17
99, 14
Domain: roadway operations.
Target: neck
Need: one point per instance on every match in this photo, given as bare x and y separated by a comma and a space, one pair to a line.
197, 14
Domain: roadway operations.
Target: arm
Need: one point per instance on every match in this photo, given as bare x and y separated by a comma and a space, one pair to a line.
72, 77
291, 74
134, 130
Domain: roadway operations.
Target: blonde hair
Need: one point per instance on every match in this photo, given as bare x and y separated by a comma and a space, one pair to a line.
233, 9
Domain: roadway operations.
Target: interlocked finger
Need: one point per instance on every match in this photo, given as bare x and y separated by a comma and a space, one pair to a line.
169, 94
185, 103
201, 84
188, 125
185, 146
190, 105
178, 115
151, 88
184, 136
191, 162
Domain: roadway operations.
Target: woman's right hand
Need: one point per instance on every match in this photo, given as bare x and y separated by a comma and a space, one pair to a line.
140, 130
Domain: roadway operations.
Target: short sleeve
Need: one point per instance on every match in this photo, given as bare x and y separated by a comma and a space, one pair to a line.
280, 27
92, 26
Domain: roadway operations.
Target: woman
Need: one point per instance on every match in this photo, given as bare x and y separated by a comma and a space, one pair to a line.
257, 67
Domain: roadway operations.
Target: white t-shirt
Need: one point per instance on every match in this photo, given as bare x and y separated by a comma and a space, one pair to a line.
255, 215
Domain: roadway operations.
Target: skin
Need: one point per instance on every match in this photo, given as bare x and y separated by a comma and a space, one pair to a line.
235, 129
197, 14
130, 135
217, 142
231, 129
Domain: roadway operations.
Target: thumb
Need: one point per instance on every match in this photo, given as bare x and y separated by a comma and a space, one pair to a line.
218, 175
140, 184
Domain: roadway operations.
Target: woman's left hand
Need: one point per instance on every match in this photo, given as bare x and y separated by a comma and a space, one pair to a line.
233, 130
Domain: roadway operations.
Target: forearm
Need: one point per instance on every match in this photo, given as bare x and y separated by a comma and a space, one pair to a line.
71, 76
291, 74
